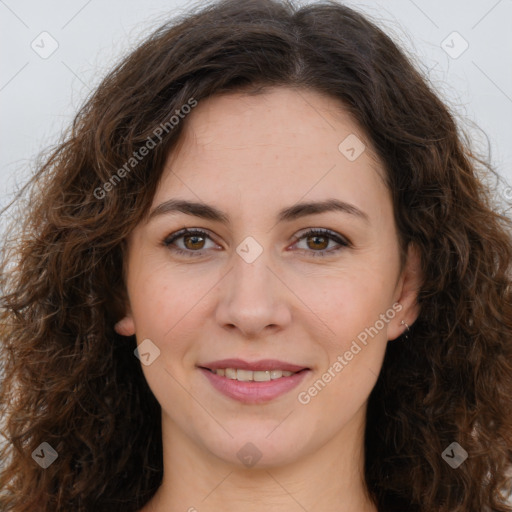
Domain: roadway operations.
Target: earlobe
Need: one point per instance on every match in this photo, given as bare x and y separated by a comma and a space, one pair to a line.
125, 326
408, 289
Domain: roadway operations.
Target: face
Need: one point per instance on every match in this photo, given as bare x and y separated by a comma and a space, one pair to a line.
318, 292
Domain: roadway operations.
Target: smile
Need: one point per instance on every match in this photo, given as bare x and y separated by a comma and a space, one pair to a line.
254, 383
254, 376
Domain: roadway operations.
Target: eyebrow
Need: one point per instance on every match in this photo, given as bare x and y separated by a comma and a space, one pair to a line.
296, 211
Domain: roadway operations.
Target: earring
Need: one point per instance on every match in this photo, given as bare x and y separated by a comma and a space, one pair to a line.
403, 323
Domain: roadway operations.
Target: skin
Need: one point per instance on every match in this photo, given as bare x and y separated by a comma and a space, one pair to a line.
251, 156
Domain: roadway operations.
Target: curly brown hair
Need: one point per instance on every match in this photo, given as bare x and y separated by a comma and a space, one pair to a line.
70, 380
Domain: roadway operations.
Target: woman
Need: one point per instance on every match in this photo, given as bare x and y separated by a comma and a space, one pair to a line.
262, 272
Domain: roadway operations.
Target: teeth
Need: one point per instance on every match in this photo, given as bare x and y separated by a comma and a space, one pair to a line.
230, 373
244, 375
249, 375
261, 376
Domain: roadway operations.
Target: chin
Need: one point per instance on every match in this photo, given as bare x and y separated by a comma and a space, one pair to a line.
261, 449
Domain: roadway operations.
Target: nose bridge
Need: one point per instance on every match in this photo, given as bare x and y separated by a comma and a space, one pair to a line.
251, 274
252, 298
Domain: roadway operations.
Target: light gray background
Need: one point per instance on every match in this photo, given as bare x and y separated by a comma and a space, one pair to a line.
39, 96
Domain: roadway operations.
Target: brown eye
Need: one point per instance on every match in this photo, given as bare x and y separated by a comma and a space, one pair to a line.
317, 242
193, 241
188, 242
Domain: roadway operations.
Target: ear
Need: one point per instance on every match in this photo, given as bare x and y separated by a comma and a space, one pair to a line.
406, 293
125, 326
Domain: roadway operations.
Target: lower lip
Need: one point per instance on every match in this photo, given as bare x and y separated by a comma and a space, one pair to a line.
254, 392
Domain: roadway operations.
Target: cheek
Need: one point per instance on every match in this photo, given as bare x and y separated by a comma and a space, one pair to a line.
355, 344
169, 303
349, 300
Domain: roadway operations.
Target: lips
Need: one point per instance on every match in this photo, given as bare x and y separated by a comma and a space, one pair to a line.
260, 365
249, 375
253, 382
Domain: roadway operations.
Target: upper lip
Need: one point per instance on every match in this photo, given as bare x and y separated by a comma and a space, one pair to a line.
262, 364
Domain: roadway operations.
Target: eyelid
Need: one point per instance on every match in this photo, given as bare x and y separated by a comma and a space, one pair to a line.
343, 240
187, 231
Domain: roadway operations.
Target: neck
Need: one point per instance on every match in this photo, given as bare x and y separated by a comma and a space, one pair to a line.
328, 479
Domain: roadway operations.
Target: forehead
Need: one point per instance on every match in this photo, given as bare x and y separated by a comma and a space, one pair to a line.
280, 145
278, 116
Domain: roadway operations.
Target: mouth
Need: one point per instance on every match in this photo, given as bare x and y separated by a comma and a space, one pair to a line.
252, 375
253, 383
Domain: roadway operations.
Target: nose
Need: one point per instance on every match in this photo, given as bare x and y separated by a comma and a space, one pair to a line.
253, 299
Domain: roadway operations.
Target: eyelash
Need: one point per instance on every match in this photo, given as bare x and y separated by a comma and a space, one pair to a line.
326, 233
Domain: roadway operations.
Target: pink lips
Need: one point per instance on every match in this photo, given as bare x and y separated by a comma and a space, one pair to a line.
262, 364
253, 392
